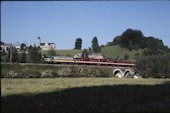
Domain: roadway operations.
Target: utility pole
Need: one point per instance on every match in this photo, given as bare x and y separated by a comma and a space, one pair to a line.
11, 53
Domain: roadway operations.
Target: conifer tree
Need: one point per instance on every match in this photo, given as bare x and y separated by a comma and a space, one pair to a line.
95, 45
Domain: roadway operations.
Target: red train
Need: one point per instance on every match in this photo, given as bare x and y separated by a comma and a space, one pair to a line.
88, 61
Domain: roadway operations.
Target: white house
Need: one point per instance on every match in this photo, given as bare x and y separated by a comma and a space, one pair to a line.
5, 47
45, 46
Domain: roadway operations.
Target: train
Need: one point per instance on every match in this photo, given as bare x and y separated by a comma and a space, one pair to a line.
87, 61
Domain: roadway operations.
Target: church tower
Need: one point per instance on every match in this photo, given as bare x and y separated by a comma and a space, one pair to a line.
38, 42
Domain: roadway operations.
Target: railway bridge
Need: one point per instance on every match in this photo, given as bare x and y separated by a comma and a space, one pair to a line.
127, 72
120, 71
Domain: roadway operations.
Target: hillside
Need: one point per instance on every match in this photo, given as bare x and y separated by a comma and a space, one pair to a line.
109, 52
70, 52
118, 52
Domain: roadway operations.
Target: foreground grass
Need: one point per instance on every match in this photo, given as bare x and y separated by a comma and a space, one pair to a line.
11, 86
63, 95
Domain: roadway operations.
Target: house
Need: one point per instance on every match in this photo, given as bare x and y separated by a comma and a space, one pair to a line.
5, 47
46, 45
91, 55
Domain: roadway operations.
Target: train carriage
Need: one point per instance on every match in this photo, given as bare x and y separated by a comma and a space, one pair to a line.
87, 61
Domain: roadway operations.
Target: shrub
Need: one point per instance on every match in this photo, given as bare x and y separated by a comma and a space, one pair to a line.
37, 71
157, 66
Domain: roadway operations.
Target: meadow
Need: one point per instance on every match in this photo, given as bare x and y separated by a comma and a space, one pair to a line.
63, 95
109, 52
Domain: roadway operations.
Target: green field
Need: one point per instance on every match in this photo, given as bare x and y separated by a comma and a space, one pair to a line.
70, 52
63, 95
108, 51
117, 51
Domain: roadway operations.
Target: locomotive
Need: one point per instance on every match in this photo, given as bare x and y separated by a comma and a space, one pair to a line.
87, 61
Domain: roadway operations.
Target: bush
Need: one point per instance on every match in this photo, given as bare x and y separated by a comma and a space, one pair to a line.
157, 66
36, 71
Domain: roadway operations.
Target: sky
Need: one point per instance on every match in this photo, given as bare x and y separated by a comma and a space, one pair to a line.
61, 22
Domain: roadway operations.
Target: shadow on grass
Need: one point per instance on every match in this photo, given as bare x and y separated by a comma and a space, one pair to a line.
115, 98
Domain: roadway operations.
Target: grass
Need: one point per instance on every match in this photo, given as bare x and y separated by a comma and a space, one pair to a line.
43, 85
115, 51
108, 51
63, 95
70, 52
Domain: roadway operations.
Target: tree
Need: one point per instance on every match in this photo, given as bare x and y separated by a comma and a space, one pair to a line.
132, 38
78, 43
23, 58
126, 57
154, 66
155, 46
15, 57
90, 49
95, 45
84, 54
117, 40
136, 56
51, 52
23, 47
35, 55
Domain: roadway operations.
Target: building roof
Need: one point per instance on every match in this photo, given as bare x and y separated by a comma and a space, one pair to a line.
47, 43
38, 37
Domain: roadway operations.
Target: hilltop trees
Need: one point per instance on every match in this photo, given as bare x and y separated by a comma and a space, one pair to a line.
131, 39
134, 40
78, 43
155, 46
95, 45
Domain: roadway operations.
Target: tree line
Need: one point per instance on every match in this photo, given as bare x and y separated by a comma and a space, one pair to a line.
155, 66
27, 54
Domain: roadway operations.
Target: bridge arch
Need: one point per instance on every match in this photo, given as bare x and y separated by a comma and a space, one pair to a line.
128, 73
118, 73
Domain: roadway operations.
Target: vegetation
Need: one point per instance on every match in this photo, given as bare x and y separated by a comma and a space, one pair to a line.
23, 47
69, 53
134, 40
126, 57
23, 57
157, 66
117, 52
51, 52
15, 57
84, 54
155, 46
95, 45
35, 55
26, 54
46, 71
72, 95
78, 43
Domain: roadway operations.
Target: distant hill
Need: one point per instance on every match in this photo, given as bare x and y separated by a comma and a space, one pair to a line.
109, 52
